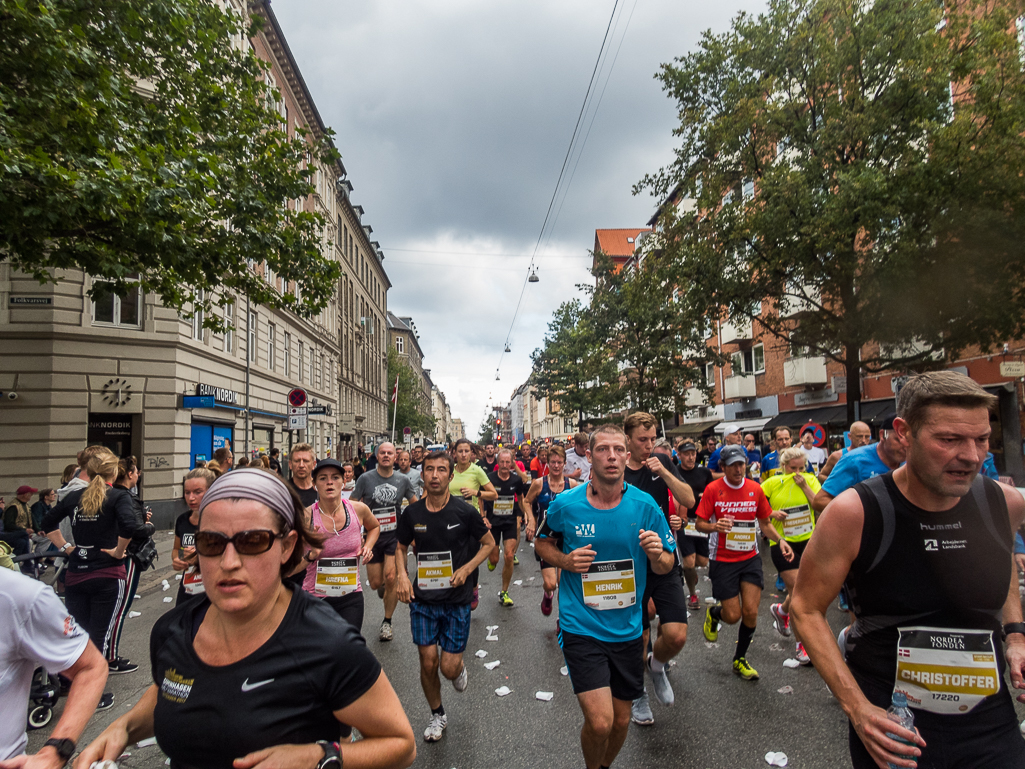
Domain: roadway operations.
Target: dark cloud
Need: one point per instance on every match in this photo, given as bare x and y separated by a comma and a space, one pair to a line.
453, 117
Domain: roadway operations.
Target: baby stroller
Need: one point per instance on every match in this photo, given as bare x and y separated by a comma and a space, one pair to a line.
46, 687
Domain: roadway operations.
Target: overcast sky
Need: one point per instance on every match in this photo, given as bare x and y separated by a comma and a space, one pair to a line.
453, 118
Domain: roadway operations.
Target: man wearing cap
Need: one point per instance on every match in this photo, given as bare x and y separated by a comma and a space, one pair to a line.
18, 521
731, 437
731, 510
693, 545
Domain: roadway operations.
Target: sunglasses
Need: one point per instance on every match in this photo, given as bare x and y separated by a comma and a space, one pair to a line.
250, 542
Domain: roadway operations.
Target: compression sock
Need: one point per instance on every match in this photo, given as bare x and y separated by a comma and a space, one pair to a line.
438, 711
387, 620
743, 640
691, 576
716, 612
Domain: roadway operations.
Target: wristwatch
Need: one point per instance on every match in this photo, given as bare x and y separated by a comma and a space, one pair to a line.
1014, 627
65, 748
332, 755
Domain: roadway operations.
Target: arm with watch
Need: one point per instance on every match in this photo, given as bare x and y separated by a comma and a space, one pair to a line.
1011, 616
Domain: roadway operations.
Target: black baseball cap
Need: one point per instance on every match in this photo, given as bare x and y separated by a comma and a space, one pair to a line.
732, 454
325, 463
687, 446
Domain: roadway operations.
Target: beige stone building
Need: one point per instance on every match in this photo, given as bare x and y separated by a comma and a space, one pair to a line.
127, 372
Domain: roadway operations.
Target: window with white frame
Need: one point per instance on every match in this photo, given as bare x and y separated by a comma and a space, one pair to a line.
286, 358
229, 331
271, 340
299, 361
709, 373
747, 190
400, 345
758, 354
114, 309
749, 361
197, 315
251, 347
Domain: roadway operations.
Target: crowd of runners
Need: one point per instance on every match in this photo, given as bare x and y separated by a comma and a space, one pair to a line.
262, 660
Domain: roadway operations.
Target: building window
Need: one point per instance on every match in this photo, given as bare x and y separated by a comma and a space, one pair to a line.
229, 322
287, 358
758, 354
251, 351
748, 189
709, 374
197, 315
270, 346
299, 361
116, 309
400, 345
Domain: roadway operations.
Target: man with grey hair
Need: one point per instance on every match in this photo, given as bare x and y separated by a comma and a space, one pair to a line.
926, 554
383, 490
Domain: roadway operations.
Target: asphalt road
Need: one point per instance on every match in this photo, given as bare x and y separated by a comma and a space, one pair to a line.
718, 720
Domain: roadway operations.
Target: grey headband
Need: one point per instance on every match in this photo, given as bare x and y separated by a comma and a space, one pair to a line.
258, 485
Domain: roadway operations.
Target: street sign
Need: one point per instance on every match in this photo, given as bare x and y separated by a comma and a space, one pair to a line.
407, 430
1012, 368
297, 422
817, 433
197, 401
297, 411
297, 397
317, 409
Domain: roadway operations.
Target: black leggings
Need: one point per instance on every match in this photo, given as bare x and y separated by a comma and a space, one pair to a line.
350, 608
92, 604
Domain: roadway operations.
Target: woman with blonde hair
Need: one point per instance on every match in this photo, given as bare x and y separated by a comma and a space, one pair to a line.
183, 557
102, 523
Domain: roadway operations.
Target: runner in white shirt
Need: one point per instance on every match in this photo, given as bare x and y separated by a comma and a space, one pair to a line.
577, 466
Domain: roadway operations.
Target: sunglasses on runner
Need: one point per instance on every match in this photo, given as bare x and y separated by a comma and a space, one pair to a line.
249, 542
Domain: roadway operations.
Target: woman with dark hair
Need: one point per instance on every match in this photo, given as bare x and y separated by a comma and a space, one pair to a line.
256, 671
183, 556
102, 522
47, 499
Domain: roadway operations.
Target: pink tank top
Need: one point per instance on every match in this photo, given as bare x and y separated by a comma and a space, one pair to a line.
347, 543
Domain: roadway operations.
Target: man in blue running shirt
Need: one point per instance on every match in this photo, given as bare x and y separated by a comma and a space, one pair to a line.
603, 535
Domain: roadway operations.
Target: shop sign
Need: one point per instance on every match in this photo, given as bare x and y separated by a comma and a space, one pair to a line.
111, 427
1012, 368
815, 396
220, 394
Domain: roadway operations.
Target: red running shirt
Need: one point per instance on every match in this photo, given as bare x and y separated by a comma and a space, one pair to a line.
745, 505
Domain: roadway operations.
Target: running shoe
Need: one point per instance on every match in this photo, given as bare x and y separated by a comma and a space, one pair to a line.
504, 599
801, 654
781, 586
693, 603
546, 603
106, 701
516, 560
745, 671
640, 712
711, 627
841, 641
491, 566
660, 684
386, 633
459, 684
436, 726
121, 665
476, 599
780, 621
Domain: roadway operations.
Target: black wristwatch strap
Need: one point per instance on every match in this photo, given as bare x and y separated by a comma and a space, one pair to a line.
65, 748
332, 755
1014, 627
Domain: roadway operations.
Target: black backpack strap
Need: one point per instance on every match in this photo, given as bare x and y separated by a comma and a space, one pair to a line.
986, 512
876, 486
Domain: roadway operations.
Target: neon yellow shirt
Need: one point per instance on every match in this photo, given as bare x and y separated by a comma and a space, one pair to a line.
784, 494
473, 478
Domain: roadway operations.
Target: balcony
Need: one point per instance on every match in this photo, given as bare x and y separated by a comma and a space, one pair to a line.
802, 372
739, 387
694, 398
735, 330
794, 305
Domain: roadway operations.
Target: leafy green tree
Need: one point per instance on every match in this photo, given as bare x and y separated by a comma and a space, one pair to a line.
657, 341
140, 138
413, 404
826, 166
488, 430
573, 368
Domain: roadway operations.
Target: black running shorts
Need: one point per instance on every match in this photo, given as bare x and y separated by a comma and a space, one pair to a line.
503, 527
385, 547
667, 592
595, 664
781, 563
726, 576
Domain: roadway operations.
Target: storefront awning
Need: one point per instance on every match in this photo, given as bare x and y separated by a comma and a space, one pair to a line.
742, 424
692, 428
834, 416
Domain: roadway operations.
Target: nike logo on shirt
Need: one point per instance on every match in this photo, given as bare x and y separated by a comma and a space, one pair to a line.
248, 687
452, 526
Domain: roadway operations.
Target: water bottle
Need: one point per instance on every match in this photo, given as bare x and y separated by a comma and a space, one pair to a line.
898, 713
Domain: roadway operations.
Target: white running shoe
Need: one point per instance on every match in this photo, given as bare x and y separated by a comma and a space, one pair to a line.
460, 683
436, 726
802, 655
386, 633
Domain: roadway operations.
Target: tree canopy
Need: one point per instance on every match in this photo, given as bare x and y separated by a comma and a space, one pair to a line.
859, 165
414, 407
140, 141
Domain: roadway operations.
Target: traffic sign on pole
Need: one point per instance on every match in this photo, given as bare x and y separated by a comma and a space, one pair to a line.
297, 397
407, 430
817, 432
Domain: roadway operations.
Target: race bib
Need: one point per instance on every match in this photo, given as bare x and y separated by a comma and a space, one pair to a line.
337, 576
192, 581
504, 506
385, 517
405, 504
798, 523
609, 585
741, 538
691, 530
946, 671
434, 570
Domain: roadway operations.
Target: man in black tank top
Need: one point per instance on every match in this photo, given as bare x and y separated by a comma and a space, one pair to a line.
925, 552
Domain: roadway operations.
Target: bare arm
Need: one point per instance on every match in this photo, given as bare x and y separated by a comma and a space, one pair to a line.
682, 492
577, 561
487, 542
821, 500
825, 565
135, 725
1014, 644
488, 492
828, 467
373, 528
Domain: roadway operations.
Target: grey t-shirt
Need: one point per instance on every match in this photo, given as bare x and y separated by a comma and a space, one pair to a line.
384, 497
414, 479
